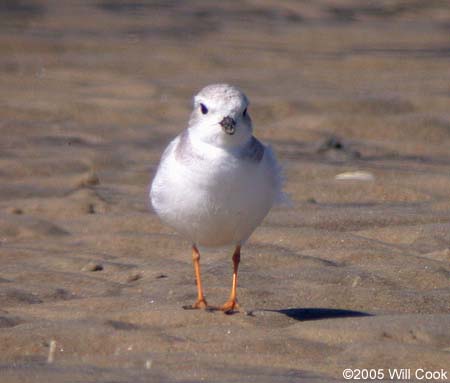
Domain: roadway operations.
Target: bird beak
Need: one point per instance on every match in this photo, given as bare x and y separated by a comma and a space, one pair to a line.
228, 125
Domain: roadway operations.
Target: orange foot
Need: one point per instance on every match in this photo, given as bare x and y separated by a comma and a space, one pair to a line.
199, 304
229, 307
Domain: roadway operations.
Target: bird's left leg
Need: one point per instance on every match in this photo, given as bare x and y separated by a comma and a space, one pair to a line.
232, 304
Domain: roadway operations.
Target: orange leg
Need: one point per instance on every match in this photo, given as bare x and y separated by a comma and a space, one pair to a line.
231, 303
200, 303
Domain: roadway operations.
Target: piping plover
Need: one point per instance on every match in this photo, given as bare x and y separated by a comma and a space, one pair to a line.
216, 182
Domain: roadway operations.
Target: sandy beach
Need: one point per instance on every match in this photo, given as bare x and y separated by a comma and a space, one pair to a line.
354, 98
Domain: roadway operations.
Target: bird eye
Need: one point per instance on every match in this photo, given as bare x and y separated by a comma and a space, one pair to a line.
203, 108
244, 113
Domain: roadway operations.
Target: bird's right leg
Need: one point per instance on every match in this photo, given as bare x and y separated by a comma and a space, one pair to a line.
200, 303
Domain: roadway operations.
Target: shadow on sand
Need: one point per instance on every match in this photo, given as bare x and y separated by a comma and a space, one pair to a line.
309, 314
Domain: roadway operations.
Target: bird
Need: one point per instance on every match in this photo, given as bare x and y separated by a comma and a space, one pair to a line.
216, 181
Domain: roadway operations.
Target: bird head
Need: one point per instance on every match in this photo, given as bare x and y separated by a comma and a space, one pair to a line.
220, 116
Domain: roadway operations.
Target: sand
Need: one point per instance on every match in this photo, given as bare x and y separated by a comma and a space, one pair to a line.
355, 274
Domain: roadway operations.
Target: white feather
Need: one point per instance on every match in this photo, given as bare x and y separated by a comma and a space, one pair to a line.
213, 188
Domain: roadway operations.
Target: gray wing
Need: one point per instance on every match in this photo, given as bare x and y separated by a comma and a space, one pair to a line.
278, 177
253, 151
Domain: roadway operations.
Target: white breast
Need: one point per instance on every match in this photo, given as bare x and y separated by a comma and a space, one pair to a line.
213, 197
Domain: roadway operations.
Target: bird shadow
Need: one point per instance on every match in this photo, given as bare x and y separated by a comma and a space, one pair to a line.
313, 313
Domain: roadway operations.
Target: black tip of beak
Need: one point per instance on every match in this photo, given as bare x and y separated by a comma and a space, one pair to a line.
228, 125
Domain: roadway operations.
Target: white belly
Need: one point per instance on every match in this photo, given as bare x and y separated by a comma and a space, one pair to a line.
216, 202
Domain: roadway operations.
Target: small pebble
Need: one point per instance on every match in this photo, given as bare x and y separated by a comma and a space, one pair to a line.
15, 210
91, 209
89, 179
134, 277
51, 351
355, 176
356, 281
92, 266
